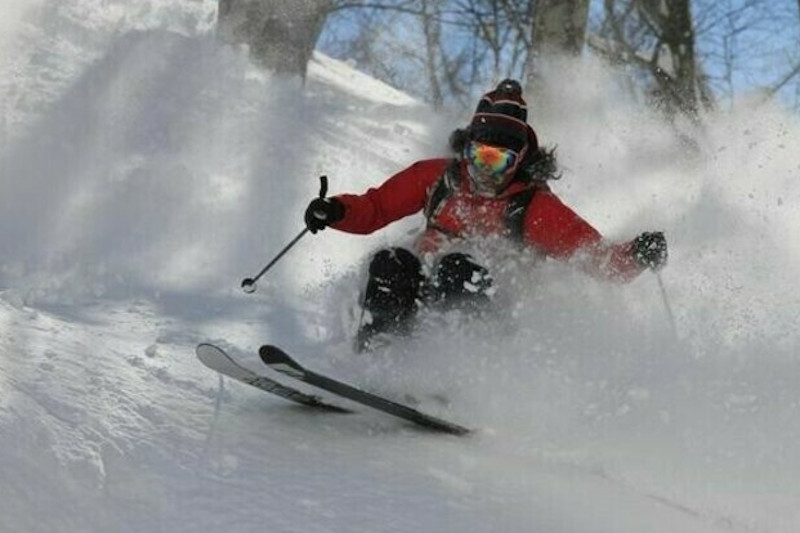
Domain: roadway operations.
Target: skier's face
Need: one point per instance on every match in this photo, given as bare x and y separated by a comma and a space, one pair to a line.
490, 167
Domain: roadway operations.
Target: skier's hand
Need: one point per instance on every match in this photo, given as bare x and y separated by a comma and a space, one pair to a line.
650, 250
322, 212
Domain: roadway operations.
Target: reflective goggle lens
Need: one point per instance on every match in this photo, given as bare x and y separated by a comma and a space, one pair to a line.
489, 159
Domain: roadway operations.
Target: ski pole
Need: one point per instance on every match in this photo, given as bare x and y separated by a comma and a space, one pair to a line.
249, 284
667, 305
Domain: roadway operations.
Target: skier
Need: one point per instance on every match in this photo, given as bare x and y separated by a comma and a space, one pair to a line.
495, 185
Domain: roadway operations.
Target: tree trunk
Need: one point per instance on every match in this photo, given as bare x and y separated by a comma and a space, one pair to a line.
674, 61
559, 29
559, 26
658, 35
431, 27
281, 34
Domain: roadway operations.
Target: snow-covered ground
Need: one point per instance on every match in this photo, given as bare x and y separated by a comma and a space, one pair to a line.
144, 171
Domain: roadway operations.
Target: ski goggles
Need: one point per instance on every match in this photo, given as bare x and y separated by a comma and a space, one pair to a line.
491, 160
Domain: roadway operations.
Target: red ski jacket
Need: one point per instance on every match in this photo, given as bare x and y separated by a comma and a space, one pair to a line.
549, 226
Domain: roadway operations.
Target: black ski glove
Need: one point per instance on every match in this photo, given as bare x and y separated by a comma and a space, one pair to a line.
322, 212
650, 250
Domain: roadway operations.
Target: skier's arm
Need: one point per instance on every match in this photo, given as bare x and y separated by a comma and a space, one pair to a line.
401, 195
557, 231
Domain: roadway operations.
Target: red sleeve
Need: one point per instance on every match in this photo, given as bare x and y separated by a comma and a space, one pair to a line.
557, 231
402, 195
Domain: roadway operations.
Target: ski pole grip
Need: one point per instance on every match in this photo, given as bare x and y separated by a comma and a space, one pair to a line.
323, 186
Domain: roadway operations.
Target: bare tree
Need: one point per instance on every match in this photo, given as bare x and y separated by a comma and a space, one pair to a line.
281, 34
658, 37
558, 30
792, 60
431, 28
501, 34
560, 26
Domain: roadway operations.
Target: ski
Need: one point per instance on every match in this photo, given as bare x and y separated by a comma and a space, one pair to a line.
280, 361
215, 358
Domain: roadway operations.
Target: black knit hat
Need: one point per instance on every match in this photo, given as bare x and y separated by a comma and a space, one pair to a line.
501, 119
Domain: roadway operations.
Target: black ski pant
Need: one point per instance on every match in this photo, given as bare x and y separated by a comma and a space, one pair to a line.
396, 288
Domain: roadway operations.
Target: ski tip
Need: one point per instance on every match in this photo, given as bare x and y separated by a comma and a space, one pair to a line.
206, 350
217, 359
272, 356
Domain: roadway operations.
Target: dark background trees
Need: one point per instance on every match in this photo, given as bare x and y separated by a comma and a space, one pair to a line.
683, 56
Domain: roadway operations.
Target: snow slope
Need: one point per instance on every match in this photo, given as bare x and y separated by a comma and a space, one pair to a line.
144, 171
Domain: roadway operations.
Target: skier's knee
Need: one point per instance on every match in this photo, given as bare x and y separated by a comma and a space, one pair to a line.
395, 263
459, 277
395, 277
